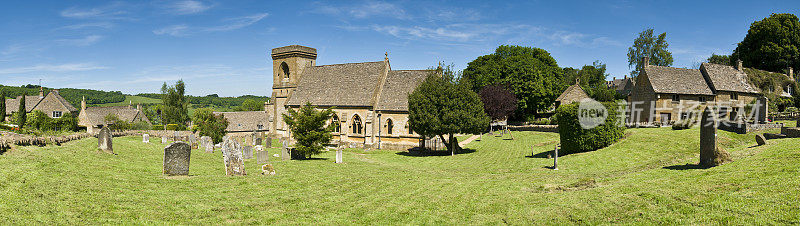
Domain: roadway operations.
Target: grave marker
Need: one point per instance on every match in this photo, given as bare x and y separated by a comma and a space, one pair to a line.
104, 140
339, 155
176, 158
262, 155
145, 138
232, 157
710, 154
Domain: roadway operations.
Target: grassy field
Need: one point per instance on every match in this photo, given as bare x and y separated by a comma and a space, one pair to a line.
134, 100
649, 177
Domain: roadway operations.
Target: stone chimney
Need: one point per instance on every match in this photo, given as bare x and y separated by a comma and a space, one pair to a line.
645, 62
266, 106
139, 107
41, 92
130, 104
626, 76
739, 65
83, 104
791, 73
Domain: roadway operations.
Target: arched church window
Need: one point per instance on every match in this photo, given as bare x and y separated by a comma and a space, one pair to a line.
285, 70
389, 126
357, 127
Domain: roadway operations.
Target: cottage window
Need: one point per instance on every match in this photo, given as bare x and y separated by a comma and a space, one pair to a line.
389, 126
56, 114
260, 127
676, 97
734, 96
335, 124
357, 127
702, 99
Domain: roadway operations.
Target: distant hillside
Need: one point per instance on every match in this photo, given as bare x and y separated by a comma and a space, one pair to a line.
214, 101
73, 96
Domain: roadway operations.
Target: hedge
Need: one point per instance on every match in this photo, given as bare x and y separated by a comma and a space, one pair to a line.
575, 138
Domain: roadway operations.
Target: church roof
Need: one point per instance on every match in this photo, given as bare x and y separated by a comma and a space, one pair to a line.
351, 84
677, 80
245, 121
727, 78
399, 84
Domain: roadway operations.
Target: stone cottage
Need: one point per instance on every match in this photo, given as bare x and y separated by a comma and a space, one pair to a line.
622, 86
370, 99
667, 94
573, 93
245, 122
51, 104
94, 118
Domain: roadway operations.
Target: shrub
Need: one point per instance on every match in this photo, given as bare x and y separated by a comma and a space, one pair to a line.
141, 125
575, 138
209, 124
158, 127
791, 109
684, 124
172, 127
308, 129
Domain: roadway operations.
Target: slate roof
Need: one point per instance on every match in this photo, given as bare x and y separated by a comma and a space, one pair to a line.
31, 102
727, 78
351, 84
97, 115
245, 121
574, 93
400, 83
677, 80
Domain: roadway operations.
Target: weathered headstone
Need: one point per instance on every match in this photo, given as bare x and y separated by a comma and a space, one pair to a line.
208, 144
145, 138
248, 152
164, 140
232, 157
248, 139
268, 142
176, 136
339, 155
761, 140
710, 154
176, 158
262, 155
762, 111
258, 141
104, 140
193, 141
285, 155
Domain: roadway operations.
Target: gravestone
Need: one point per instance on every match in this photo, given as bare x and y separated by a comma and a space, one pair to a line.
248, 139
164, 140
339, 155
761, 140
262, 155
285, 155
258, 141
762, 111
104, 140
232, 157
208, 144
710, 154
193, 141
176, 158
267, 169
248, 152
145, 138
176, 136
268, 142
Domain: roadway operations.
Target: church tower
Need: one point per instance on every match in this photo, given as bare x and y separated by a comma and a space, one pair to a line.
288, 63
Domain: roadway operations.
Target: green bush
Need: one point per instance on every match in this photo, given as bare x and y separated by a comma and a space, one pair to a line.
684, 124
172, 127
791, 109
576, 139
158, 127
141, 125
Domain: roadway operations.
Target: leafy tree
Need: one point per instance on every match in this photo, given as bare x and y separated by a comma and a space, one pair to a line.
720, 59
252, 105
498, 102
114, 123
647, 45
771, 44
21, 113
444, 105
308, 129
2, 105
209, 124
175, 108
592, 79
68, 122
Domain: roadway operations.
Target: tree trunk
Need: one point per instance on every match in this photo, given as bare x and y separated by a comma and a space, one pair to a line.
452, 145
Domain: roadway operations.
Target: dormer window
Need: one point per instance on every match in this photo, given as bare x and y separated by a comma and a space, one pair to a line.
57, 114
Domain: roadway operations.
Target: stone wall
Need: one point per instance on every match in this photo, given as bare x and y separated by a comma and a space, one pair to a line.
537, 128
742, 127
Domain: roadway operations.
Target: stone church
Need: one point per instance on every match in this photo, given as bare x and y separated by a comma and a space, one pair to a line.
370, 99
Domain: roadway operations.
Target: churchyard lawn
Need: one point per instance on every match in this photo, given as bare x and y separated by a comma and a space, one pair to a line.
649, 177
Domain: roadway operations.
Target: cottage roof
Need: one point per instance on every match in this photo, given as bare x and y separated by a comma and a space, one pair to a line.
351, 84
97, 115
32, 102
727, 78
574, 93
399, 84
240, 121
677, 80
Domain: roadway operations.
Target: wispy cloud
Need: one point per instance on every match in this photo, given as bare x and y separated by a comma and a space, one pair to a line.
187, 7
85, 41
174, 30
53, 68
361, 10
228, 25
454, 32
104, 25
113, 10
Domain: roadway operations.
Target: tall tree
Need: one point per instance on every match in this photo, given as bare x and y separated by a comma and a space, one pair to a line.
2, 105
771, 44
498, 102
176, 106
720, 59
650, 46
592, 79
443, 105
308, 129
21, 113
530, 73
252, 105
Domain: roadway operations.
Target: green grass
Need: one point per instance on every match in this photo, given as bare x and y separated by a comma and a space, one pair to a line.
643, 179
134, 100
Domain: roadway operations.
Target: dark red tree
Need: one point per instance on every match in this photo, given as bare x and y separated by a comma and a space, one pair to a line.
498, 102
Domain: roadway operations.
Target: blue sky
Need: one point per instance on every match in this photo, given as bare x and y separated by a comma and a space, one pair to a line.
222, 46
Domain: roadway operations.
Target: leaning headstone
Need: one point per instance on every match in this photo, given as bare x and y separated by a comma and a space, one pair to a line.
176, 158
285, 155
339, 155
232, 157
248, 152
164, 140
710, 154
761, 140
262, 155
145, 138
104, 140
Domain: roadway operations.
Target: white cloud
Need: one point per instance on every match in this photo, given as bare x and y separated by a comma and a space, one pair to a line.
455, 32
85, 41
174, 30
105, 25
362, 10
238, 22
187, 7
53, 68
114, 10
